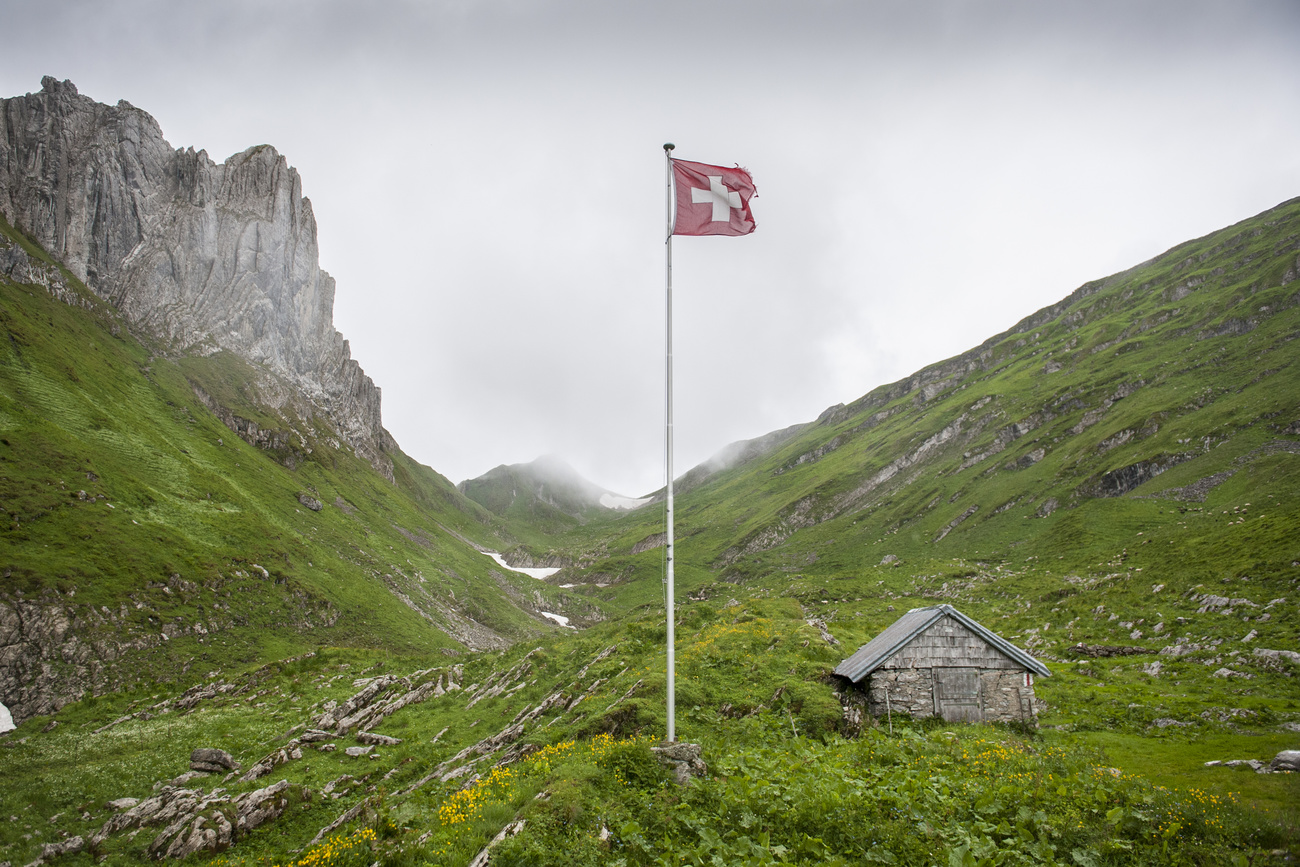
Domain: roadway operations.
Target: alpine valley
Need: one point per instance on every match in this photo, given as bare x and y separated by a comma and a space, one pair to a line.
239, 625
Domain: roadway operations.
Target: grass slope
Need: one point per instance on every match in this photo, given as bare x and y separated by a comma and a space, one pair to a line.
133, 513
1119, 469
784, 783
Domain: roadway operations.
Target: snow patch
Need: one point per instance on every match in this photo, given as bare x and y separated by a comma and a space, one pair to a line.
559, 618
538, 573
7, 719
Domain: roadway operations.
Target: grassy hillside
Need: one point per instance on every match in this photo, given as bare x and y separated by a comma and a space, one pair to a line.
1113, 435
557, 735
1112, 484
539, 501
164, 542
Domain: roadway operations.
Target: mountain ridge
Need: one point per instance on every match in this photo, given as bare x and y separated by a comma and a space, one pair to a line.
201, 255
192, 467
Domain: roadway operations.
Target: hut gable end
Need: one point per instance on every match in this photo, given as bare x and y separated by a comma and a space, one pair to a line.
947, 643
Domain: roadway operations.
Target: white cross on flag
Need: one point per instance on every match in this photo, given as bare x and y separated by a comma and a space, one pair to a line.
712, 200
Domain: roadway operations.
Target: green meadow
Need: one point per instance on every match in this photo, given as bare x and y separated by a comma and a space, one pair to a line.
1113, 485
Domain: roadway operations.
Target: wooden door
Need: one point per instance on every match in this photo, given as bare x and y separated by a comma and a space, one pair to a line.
957, 694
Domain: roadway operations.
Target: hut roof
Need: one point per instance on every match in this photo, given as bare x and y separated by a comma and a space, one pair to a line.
877, 651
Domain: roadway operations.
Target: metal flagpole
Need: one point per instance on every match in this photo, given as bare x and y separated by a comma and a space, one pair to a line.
668, 455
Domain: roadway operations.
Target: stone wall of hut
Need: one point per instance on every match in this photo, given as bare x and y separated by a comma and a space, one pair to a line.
905, 683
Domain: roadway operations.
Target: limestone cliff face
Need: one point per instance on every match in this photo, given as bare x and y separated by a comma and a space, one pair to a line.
201, 255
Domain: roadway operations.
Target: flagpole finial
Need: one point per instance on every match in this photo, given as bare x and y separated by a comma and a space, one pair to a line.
669, 146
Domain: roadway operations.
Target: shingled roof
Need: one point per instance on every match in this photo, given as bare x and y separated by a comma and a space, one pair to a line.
876, 652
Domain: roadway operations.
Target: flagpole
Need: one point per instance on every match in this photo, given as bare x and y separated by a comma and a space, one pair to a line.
668, 454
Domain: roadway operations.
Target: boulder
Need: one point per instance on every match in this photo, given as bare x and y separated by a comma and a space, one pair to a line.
1287, 760
212, 759
683, 760
359, 751
70, 846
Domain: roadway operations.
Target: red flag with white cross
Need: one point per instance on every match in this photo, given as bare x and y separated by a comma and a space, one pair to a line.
712, 200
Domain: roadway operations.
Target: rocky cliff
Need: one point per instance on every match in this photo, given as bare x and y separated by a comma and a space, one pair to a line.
203, 256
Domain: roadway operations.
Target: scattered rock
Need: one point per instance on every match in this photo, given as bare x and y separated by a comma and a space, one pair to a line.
70, 846
183, 780
377, 739
683, 760
820, 625
510, 830
1166, 722
1219, 714
311, 736
1181, 649
272, 760
122, 804
1106, 650
359, 751
889, 560
1228, 672
1220, 604
1289, 655
1254, 764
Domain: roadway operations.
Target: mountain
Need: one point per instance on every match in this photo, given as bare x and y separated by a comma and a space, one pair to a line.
192, 469
202, 256
1169, 384
547, 493
230, 627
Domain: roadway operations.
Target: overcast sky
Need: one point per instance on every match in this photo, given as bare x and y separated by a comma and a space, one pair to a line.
488, 179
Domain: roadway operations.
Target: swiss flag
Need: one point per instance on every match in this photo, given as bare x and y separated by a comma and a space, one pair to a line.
712, 200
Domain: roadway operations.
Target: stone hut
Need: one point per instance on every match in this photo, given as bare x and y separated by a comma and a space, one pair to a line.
936, 661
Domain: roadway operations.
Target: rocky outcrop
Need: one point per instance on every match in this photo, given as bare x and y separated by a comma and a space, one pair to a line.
202, 255
197, 822
48, 657
54, 650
